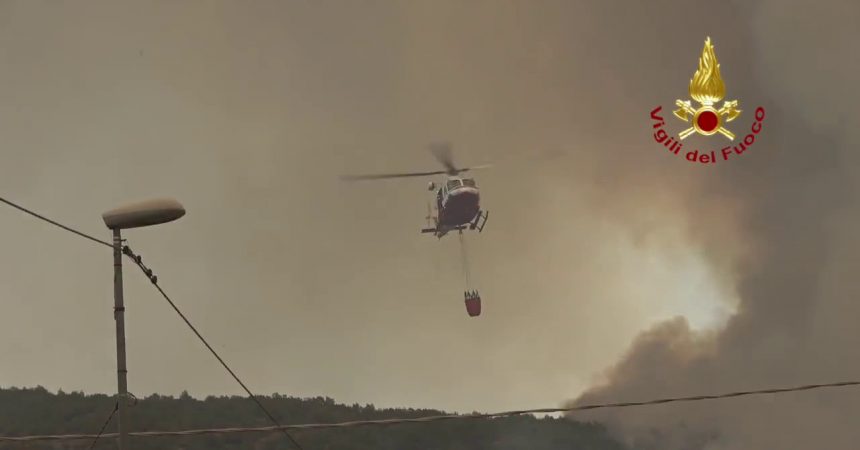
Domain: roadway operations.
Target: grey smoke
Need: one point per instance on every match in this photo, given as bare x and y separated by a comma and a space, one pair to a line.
795, 201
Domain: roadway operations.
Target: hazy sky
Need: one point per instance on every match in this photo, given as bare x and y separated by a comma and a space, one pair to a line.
248, 112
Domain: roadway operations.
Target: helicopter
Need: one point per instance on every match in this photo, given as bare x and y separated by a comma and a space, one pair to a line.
458, 207
458, 200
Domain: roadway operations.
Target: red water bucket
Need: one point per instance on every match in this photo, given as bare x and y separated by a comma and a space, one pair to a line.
473, 306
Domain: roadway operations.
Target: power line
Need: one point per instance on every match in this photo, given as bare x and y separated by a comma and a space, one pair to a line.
115, 408
428, 419
154, 279
39, 216
139, 262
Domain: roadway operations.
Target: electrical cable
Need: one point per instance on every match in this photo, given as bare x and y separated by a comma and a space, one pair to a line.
39, 216
138, 261
154, 279
115, 408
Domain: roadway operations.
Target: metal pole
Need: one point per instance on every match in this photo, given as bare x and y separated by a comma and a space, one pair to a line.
119, 317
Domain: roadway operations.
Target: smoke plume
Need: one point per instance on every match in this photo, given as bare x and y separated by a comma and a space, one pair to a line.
790, 224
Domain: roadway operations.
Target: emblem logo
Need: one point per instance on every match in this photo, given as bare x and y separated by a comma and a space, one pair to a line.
707, 89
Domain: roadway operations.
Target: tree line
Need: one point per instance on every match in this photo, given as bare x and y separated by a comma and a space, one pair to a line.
36, 411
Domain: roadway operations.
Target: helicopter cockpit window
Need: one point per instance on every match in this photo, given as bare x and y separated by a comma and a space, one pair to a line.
453, 184
468, 182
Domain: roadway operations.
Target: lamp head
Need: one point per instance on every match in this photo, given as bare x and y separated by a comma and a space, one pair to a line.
143, 214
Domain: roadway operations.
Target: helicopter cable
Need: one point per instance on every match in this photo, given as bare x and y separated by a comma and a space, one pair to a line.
465, 260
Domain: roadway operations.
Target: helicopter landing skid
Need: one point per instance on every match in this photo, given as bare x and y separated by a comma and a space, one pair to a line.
443, 230
480, 221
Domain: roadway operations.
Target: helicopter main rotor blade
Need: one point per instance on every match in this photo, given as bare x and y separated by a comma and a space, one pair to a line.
443, 154
466, 169
390, 175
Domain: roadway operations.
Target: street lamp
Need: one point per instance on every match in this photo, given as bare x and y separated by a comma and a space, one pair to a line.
143, 214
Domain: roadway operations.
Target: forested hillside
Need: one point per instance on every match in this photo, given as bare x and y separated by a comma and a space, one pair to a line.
37, 411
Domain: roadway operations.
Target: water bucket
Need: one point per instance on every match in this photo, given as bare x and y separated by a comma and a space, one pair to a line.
473, 306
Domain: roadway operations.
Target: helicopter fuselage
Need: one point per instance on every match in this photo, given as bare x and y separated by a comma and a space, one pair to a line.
458, 202
458, 206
